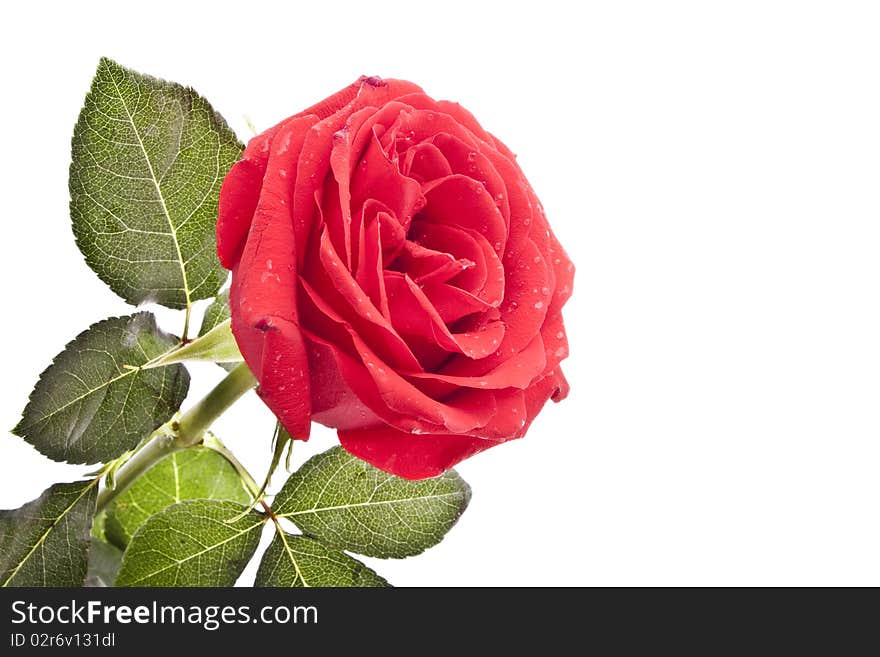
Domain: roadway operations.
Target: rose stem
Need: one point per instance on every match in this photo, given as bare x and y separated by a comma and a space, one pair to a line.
176, 435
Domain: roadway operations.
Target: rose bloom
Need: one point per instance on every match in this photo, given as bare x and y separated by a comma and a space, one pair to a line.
394, 277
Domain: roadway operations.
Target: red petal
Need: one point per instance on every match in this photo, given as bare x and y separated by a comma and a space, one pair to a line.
327, 309
463, 159
461, 201
553, 386
409, 456
517, 196
555, 339
426, 266
413, 314
517, 372
370, 272
485, 279
263, 293
453, 303
238, 200
378, 178
454, 110
523, 312
334, 403
416, 125
314, 164
425, 162
365, 91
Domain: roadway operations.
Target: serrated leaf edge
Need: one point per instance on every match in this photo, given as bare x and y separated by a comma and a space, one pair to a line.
45, 534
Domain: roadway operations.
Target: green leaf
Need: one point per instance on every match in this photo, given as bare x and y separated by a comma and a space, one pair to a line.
148, 158
348, 503
302, 561
197, 472
217, 346
104, 561
216, 313
93, 403
46, 541
192, 543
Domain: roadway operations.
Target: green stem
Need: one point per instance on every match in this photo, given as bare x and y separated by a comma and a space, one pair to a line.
195, 421
179, 434
185, 335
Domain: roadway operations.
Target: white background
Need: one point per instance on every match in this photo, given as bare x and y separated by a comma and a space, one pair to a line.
712, 169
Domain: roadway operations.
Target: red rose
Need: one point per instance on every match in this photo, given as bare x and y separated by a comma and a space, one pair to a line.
394, 277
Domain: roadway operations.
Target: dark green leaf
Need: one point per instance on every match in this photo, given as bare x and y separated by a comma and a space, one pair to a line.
148, 160
302, 561
46, 541
104, 561
192, 543
193, 473
92, 403
350, 504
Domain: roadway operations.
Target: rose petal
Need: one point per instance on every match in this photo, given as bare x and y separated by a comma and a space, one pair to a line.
239, 195
362, 92
370, 272
518, 201
334, 404
340, 305
241, 189
406, 399
509, 419
397, 401
426, 265
425, 162
463, 159
523, 312
553, 253
377, 177
460, 201
358, 384
413, 314
263, 292
275, 353
452, 303
555, 340
552, 386
485, 279
516, 372
409, 456
412, 127
314, 164
458, 113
